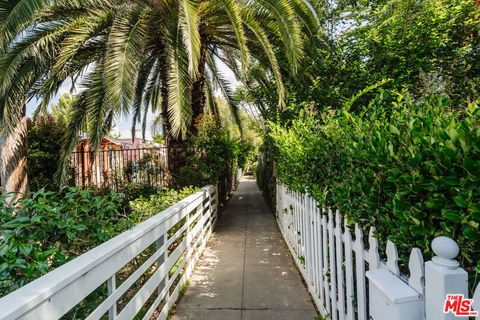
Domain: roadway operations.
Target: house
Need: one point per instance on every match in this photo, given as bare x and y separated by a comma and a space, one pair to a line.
114, 155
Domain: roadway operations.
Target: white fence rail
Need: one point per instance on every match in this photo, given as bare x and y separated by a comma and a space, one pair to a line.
141, 271
349, 281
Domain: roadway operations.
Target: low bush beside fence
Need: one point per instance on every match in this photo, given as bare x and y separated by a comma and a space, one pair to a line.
49, 229
137, 274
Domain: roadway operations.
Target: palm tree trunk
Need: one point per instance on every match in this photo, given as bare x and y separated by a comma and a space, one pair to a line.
198, 90
13, 160
166, 126
176, 147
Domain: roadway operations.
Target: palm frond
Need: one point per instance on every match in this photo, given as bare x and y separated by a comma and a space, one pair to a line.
210, 98
125, 46
233, 10
191, 35
221, 83
139, 104
307, 15
89, 114
179, 100
37, 47
16, 15
263, 40
287, 28
80, 31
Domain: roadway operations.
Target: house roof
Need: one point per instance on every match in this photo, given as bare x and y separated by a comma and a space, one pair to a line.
124, 142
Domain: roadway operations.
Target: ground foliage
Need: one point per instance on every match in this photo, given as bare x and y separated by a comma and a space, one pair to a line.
51, 228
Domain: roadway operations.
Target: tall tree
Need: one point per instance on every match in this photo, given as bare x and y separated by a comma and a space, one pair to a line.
139, 56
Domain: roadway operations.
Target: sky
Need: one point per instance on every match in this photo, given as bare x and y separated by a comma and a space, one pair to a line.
123, 126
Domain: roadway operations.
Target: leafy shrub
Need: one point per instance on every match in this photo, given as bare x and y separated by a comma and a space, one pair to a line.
49, 229
246, 154
145, 207
44, 142
264, 171
132, 191
409, 169
213, 157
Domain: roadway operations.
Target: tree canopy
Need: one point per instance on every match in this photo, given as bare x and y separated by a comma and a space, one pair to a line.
135, 56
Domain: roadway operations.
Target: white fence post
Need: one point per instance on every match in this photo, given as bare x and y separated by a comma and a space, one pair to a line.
443, 276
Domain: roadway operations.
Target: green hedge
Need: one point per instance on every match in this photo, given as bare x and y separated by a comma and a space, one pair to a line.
264, 172
409, 169
214, 156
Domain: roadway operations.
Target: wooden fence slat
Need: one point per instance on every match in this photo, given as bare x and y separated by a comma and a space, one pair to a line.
306, 238
339, 256
360, 274
112, 285
304, 232
392, 258
373, 255
332, 270
320, 256
314, 262
311, 242
325, 273
297, 229
416, 266
350, 295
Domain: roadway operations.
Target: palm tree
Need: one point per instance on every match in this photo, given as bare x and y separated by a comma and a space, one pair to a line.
13, 159
135, 56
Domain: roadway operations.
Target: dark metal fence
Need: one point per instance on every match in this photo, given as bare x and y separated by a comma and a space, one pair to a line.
114, 168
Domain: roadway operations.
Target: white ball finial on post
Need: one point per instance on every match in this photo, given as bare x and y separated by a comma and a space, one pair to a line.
443, 276
446, 250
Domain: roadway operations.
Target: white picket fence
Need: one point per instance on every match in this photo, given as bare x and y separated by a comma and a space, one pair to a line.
169, 245
349, 281
238, 175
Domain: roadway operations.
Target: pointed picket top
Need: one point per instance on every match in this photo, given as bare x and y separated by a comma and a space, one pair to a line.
360, 274
476, 299
373, 255
358, 243
358, 232
347, 235
392, 258
416, 266
330, 221
330, 215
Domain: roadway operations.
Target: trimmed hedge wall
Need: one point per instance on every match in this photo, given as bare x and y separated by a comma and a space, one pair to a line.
411, 169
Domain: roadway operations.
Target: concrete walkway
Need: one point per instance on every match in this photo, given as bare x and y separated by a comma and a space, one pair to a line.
246, 271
